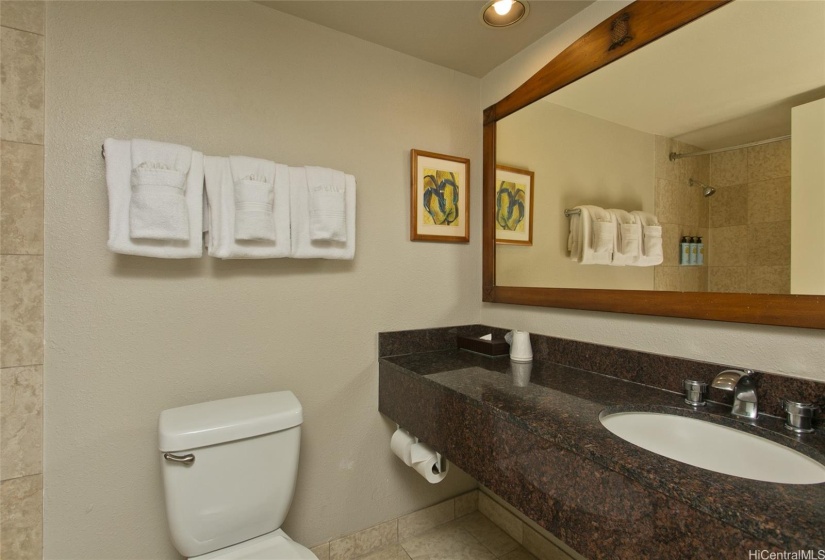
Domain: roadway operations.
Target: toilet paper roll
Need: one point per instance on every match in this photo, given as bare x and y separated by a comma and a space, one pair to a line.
429, 469
401, 444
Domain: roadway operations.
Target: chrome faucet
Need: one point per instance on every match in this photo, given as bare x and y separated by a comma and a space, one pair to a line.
743, 385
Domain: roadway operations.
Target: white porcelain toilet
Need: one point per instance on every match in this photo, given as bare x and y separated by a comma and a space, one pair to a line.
229, 470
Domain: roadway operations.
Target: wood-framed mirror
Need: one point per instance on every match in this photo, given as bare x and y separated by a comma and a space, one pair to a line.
633, 27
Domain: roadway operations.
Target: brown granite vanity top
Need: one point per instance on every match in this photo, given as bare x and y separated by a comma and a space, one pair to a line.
560, 405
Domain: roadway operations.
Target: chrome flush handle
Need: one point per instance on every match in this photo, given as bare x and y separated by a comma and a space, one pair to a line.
187, 459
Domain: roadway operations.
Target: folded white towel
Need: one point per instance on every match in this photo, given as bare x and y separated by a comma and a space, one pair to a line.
119, 167
327, 213
303, 246
157, 209
628, 239
604, 230
581, 240
221, 240
254, 188
651, 240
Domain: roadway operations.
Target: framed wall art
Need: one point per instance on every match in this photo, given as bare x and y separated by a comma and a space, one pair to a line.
514, 206
440, 197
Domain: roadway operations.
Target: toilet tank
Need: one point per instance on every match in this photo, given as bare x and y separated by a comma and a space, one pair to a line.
240, 478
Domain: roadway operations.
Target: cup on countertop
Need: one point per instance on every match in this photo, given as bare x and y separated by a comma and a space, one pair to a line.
521, 373
520, 348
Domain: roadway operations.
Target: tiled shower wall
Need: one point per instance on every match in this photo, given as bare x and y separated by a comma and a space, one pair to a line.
682, 210
750, 220
21, 271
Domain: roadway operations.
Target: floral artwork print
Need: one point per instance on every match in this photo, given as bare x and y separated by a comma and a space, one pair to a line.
510, 206
441, 197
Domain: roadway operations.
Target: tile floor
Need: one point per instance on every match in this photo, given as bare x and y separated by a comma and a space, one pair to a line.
472, 537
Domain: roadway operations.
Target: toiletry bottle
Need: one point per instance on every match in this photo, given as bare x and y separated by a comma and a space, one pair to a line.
684, 251
700, 255
694, 249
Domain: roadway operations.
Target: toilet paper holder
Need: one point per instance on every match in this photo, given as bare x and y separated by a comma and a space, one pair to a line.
441, 464
418, 452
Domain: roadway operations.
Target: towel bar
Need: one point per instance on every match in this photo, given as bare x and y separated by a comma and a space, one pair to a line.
572, 211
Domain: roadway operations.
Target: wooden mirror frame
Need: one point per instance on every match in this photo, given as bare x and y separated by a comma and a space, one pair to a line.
633, 27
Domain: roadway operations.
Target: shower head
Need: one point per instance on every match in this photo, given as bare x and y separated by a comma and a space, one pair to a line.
707, 190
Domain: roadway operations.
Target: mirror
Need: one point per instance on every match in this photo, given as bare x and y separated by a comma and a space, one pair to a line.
606, 140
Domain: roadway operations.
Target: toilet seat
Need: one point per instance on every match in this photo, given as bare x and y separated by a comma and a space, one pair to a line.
272, 546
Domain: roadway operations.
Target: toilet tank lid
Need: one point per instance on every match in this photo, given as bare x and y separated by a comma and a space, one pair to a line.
210, 423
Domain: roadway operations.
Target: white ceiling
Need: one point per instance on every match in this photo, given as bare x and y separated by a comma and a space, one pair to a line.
725, 79
446, 32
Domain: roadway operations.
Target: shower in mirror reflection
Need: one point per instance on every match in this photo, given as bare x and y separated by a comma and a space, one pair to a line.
707, 190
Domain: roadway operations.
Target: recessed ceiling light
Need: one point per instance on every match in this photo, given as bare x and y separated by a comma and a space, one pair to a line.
502, 7
502, 13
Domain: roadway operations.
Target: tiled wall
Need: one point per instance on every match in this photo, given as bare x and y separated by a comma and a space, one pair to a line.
21, 270
750, 220
682, 210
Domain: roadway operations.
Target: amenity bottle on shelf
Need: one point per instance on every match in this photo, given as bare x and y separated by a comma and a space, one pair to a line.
700, 253
684, 251
694, 249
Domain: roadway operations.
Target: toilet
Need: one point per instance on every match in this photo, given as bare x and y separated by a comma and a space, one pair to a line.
229, 469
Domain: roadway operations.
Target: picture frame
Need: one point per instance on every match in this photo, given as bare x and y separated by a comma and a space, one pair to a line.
514, 206
439, 197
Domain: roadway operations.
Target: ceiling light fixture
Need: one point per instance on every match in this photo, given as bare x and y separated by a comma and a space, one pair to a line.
503, 6
503, 13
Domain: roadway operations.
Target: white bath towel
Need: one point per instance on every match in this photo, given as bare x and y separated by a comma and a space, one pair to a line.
157, 208
604, 230
303, 246
220, 191
327, 212
651, 240
118, 183
628, 239
254, 190
580, 242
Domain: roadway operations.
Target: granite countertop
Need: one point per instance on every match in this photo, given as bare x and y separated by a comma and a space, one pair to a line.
562, 404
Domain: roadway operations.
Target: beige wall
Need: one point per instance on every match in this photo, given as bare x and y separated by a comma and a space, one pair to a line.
128, 337
797, 352
682, 211
750, 220
808, 199
21, 269
577, 159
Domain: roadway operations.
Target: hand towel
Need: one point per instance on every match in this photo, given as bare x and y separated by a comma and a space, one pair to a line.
651, 240
604, 230
327, 213
303, 246
118, 183
157, 208
628, 239
254, 193
220, 191
580, 240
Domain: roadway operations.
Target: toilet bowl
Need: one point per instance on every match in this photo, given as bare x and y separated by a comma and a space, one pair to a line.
229, 469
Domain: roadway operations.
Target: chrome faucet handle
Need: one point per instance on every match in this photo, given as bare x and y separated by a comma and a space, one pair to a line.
799, 416
695, 392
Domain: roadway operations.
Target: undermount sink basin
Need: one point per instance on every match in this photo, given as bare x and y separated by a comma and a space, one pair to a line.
714, 447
